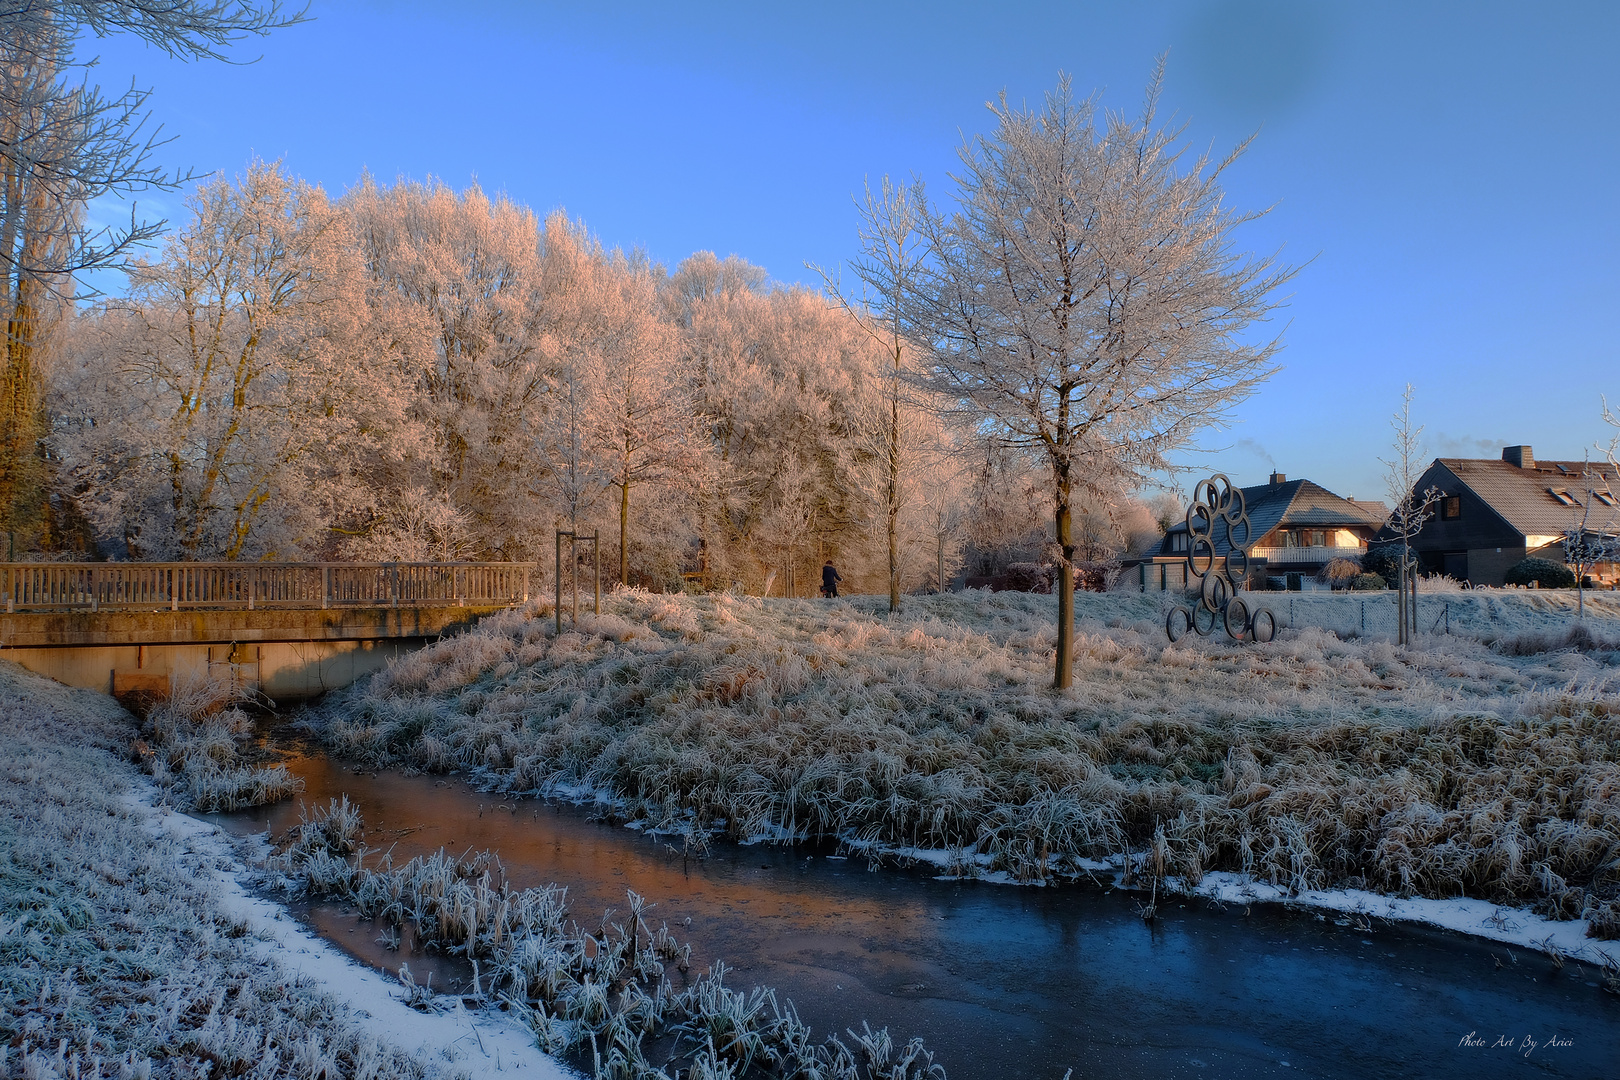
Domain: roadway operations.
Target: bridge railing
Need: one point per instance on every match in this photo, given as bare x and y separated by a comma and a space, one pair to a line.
176, 586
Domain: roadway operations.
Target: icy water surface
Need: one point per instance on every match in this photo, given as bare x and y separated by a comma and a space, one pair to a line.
1016, 982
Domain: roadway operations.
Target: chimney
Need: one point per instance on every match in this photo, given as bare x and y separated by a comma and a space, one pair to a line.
1521, 456
1278, 478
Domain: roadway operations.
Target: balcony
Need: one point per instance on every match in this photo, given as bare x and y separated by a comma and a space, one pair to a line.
1304, 556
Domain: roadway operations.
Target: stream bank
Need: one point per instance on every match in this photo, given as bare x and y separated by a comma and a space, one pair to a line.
1005, 982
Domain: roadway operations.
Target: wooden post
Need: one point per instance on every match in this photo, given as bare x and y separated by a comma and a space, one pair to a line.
326, 586
174, 588
559, 582
11, 589
393, 584
596, 572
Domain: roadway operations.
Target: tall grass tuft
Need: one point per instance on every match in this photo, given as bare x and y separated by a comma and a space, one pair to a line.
198, 751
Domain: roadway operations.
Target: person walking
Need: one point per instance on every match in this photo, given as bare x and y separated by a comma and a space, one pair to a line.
829, 581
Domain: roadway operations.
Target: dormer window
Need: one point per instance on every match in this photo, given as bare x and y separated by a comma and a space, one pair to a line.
1605, 498
1178, 542
1564, 498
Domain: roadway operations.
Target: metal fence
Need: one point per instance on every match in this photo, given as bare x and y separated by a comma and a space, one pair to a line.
248, 586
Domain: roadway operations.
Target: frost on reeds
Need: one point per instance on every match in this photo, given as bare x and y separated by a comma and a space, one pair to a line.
601, 995
1445, 770
114, 960
198, 753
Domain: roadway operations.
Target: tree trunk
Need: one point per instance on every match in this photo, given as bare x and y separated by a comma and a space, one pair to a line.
1400, 600
894, 501
17, 411
1064, 677
1411, 638
894, 563
624, 533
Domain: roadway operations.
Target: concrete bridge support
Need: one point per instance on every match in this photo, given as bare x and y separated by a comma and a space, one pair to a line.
287, 655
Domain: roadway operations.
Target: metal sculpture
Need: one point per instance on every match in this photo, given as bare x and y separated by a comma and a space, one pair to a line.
1220, 580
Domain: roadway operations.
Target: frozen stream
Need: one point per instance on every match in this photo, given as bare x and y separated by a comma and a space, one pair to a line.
1017, 982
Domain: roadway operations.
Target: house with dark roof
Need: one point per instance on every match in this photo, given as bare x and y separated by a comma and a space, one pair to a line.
1494, 513
1297, 527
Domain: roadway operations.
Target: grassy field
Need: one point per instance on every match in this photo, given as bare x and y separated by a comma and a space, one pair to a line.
1484, 763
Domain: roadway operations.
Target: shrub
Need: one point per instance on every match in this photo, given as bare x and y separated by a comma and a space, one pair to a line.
1296, 582
1383, 560
1544, 572
1368, 583
1026, 577
1339, 572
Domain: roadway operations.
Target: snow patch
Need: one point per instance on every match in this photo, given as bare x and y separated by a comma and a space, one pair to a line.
1477, 918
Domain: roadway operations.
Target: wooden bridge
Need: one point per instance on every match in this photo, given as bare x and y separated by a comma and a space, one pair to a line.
287, 630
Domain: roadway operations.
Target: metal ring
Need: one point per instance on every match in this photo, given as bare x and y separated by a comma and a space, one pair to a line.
1200, 512
1236, 575
1192, 556
1203, 631
1232, 528
1263, 618
1175, 632
1236, 615
1215, 592
1236, 506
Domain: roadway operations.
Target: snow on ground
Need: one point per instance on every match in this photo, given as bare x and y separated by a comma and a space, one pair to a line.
482, 1044
1477, 918
1512, 926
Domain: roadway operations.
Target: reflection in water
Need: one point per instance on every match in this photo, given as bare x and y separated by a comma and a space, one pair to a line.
1002, 981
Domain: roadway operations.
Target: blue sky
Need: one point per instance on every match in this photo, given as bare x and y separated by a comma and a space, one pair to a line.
1446, 171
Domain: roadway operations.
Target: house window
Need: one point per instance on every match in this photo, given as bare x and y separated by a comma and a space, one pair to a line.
1605, 498
1451, 507
1564, 498
1178, 542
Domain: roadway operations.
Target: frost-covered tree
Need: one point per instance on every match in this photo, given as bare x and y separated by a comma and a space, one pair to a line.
1085, 300
1593, 537
1410, 509
892, 255
63, 143
206, 403
780, 379
480, 342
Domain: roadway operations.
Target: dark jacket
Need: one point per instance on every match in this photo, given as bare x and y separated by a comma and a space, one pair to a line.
829, 576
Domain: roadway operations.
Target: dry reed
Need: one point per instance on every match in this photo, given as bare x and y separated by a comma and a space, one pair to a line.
200, 750
600, 995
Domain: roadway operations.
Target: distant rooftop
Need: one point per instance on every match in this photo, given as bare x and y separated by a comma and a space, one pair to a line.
1535, 497
1285, 503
